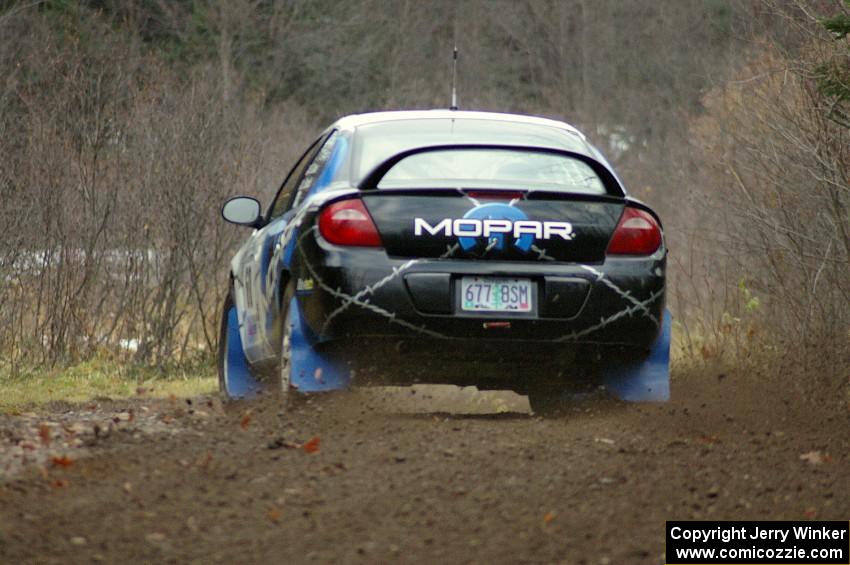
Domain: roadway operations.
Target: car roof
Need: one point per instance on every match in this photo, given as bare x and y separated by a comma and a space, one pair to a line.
567, 136
354, 121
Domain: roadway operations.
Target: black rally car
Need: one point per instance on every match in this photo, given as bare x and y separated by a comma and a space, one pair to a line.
442, 246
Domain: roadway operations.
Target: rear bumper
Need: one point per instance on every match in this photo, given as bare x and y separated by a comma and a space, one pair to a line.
356, 294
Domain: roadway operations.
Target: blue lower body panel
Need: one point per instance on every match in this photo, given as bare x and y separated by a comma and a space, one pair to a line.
239, 380
647, 380
312, 370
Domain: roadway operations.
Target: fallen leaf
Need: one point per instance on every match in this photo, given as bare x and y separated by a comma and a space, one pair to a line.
246, 421
810, 512
311, 446
44, 434
548, 517
604, 440
273, 515
59, 483
813, 457
708, 439
61, 461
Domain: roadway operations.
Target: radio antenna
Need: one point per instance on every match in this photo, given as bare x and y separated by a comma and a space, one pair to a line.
454, 80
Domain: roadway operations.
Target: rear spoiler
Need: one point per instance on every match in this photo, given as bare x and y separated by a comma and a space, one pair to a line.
609, 179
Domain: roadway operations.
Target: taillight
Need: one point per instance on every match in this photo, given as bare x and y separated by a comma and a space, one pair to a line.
637, 233
347, 222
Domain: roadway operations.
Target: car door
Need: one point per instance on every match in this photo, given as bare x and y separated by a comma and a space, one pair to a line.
260, 265
250, 264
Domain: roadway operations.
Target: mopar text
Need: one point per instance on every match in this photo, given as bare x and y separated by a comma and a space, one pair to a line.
472, 227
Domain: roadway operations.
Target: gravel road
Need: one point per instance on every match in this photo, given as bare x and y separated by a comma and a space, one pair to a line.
412, 475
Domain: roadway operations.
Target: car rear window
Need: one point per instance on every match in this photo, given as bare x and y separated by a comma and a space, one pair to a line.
493, 168
379, 141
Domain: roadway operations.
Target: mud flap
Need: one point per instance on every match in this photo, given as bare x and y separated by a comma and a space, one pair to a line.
240, 381
647, 380
312, 370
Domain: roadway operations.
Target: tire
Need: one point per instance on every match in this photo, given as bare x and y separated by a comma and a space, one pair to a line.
237, 379
223, 337
555, 397
286, 392
548, 402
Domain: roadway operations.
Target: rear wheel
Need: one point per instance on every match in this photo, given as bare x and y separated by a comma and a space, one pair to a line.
548, 402
555, 397
224, 344
236, 377
286, 392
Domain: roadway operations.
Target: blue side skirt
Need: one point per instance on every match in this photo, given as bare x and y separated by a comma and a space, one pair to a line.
647, 380
313, 371
239, 381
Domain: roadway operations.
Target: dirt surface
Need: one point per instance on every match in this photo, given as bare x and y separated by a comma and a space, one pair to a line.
411, 476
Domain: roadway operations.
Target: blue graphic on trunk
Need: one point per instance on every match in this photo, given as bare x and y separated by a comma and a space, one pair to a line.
497, 211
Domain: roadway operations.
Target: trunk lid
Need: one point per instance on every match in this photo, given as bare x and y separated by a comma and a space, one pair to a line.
493, 225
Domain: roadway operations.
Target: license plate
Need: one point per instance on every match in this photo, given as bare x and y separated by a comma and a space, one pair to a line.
485, 294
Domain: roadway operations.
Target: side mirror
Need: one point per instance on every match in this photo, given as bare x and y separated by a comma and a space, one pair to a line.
242, 211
